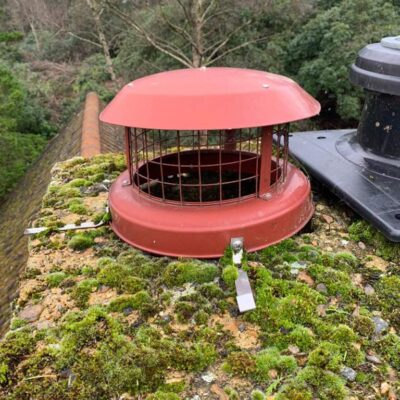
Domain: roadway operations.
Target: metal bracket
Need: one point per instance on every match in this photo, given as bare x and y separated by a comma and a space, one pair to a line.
67, 227
245, 297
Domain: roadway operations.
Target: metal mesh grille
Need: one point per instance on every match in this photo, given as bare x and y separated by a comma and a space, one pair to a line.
203, 167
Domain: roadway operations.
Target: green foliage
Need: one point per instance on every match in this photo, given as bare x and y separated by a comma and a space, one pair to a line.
179, 272
320, 55
271, 359
17, 153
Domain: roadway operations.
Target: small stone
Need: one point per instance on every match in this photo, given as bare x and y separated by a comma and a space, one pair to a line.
195, 397
385, 387
242, 327
344, 242
321, 288
327, 218
380, 325
373, 359
348, 373
217, 390
293, 349
127, 310
362, 246
369, 290
208, 377
31, 313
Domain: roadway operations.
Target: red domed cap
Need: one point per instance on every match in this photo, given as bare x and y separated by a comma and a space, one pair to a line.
209, 98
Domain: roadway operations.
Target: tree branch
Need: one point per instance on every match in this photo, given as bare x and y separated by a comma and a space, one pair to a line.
215, 48
166, 49
84, 39
211, 61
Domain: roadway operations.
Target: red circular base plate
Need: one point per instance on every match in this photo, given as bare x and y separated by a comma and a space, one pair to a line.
206, 231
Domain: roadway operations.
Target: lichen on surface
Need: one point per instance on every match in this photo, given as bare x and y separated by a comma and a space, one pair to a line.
97, 319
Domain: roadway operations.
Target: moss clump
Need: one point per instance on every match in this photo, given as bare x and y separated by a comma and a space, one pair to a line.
179, 272
79, 182
326, 356
15, 346
140, 301
119, 276
389, 347
300, 336
257, 395
229, 274
345, 261
211, 291
338, 283
271, 359
363, 325
81, 241
388, 291
82, 291
77, 208
240, 363
325, 384
185, 310
232, 393
55, 279
363, 231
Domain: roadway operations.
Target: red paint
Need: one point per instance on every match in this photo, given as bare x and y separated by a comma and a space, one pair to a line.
209, 98
167, 208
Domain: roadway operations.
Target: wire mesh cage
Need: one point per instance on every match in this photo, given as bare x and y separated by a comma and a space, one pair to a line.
206, 167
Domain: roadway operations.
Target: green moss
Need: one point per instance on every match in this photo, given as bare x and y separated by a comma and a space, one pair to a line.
82, 291
141, 301
81, 241
55, 278
240, 363
343, 335
345, 261
389, 347
14, 347
364, 325
325, 384
232, 393
79, 182
297, 391
229, 274
179, 272
211, 291
163, 396
257, 395
363, 231
17, 323
388, 291
326, 356
271, 359
338, 283
300, 336
78, 209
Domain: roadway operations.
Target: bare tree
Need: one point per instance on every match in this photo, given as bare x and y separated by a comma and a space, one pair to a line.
97, 10
198, 18
35, 15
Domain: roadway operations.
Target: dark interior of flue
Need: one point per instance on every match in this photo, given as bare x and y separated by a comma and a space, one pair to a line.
202, 176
